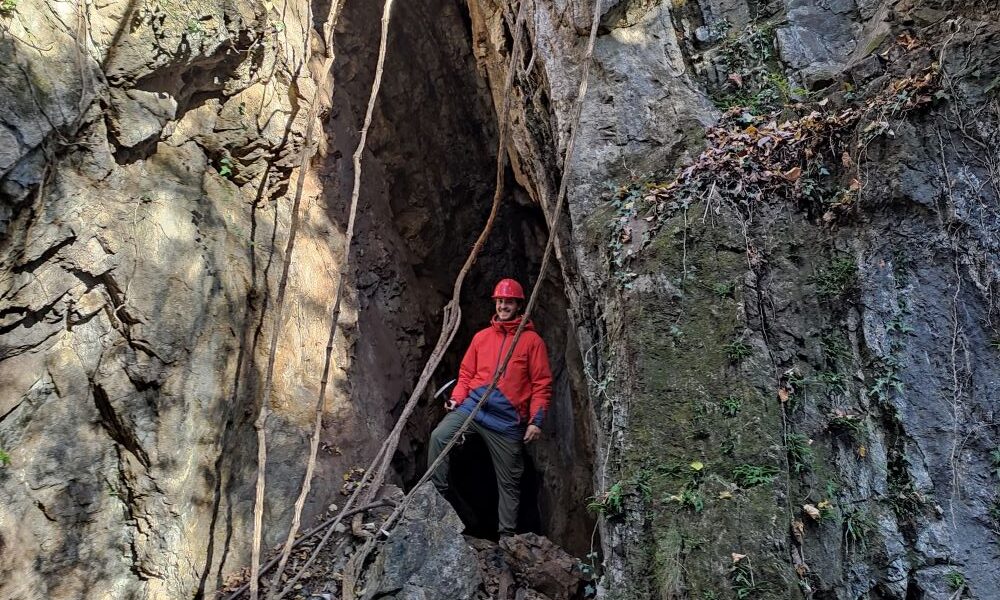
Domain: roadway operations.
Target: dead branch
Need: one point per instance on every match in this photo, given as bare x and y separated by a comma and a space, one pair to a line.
327, 525
306, 156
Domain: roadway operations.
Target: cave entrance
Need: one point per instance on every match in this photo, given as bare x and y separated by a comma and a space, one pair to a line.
427, 187
474, 491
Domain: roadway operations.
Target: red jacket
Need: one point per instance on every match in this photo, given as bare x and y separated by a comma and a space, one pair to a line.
522, 394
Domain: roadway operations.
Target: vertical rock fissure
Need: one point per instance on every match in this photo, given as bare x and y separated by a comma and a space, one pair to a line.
425, 194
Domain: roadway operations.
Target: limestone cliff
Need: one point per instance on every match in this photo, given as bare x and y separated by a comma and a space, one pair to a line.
793, 312
148, 150
773, 321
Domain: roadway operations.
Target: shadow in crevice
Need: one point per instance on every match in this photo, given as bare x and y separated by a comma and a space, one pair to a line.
474, 494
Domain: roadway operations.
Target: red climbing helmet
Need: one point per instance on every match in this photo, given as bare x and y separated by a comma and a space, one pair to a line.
508, 288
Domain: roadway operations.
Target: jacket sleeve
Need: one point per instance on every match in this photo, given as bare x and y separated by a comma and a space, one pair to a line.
466, 371
541, 382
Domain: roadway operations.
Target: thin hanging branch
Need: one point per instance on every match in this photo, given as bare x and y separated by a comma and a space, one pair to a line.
259, 424
344, 270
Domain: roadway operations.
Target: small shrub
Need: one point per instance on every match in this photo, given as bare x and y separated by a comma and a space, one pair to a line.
837, 279
226, 167
7, 7
905, 501
899, 325
834, 349
995, 461
800, 452
689, 498
723, 290
742, 579
4, 458
835, 382
886, 379
748, 476
994, 513
731, 405
847, 423
858, 526
610, 503
737, 350
956, 580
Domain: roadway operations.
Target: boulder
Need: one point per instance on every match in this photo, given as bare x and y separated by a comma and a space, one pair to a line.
426, 557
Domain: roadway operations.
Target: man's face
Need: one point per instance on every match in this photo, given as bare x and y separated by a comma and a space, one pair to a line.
507, 308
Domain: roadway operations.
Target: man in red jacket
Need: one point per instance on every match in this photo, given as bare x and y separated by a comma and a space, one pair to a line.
512, 414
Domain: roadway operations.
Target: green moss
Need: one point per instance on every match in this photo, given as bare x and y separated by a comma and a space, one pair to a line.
668, 566
682, 372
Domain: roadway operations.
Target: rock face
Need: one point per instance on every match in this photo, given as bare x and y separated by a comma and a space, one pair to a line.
773, 323
147, 170
153, 141
772, 340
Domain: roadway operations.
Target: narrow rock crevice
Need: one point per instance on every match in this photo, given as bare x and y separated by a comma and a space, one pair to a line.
426, 191
116, 428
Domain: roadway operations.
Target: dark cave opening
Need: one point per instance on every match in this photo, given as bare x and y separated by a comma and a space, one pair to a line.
427, 187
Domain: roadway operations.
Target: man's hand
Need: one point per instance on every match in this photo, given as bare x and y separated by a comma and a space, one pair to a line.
450, 404
533, 433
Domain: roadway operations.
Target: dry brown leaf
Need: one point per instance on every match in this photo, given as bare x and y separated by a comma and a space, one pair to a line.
793, 174
798, 530
738, 557
812, 511
783, 394
736, 78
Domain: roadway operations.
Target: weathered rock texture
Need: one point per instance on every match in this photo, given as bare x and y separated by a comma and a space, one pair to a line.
152, 145
426, 556
829, 341
776, 360
148, 167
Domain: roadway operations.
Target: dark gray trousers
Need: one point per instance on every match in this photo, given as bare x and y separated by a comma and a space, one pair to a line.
508, 463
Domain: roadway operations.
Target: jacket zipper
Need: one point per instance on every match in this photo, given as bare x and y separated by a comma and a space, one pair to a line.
500, 355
